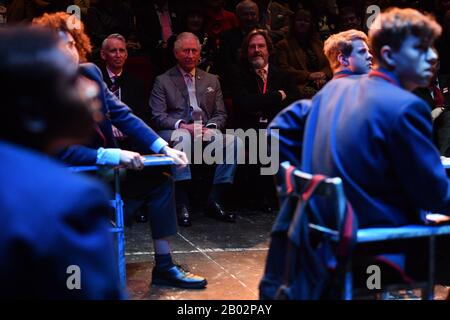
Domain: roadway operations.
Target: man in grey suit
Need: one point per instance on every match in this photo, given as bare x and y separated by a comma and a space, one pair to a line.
184, 95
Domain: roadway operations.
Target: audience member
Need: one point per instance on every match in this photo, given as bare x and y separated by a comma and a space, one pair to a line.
155, 194
275, 18
156, 22
348, 18
260, 90
301, 55
194, 22
443, 44
231, 41
105, 17
182, 95
437, 97
218, 20
120, 82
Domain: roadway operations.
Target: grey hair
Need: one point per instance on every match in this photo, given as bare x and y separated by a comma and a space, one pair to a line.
117, 36
182, 36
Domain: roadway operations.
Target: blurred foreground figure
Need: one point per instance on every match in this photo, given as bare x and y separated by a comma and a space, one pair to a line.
54, 242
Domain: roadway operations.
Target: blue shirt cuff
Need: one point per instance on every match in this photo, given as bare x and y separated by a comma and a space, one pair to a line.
108, 156
158, 145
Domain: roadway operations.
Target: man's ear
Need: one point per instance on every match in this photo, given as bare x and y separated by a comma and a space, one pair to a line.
388, 56
102, 54
343, 60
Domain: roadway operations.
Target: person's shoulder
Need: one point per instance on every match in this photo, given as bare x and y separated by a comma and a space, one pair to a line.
90, 69
44, 179
208, 76
172, 72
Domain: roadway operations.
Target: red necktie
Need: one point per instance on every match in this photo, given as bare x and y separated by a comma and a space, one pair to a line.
166, 29
438, 96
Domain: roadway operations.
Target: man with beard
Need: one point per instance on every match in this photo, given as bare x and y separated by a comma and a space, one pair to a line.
260, 89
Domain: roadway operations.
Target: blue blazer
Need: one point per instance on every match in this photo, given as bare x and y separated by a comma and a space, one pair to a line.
115, 112
287, 129
377, 137
51, 219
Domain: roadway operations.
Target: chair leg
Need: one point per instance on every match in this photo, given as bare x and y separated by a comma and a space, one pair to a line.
120, 225
348, 285
429, 292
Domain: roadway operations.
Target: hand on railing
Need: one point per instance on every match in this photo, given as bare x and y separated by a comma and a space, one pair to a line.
179, 157
131, 160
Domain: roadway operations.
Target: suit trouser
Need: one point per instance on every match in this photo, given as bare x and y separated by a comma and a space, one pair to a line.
152, 190
224, 153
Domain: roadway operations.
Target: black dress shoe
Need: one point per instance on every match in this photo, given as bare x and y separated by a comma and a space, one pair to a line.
177, 277
216, 211
183, 216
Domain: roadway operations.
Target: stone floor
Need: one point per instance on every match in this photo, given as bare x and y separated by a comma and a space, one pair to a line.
230, 255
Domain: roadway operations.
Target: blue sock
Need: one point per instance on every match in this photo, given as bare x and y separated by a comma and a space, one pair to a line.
163, 262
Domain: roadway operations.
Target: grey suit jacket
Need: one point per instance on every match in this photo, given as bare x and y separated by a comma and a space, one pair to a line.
169, 101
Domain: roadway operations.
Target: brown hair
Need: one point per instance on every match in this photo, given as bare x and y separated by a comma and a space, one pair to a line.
59, 21
394, 25
244, 47
341, 42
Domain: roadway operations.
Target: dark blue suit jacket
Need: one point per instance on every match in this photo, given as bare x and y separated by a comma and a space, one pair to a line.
377, 137
288, 127
115, 112
51, 219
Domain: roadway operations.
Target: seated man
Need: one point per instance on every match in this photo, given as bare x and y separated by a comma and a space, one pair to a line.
155, 194
349, 56
180, 96
54, 222
260, 89
125, 86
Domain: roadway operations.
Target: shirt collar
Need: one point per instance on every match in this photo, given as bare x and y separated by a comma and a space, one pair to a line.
343, 73
386, 75
112, 75
184, 73
265, 68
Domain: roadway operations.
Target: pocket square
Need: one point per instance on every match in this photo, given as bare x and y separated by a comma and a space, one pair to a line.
209, 89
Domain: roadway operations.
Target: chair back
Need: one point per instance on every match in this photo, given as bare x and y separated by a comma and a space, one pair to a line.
303, 264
